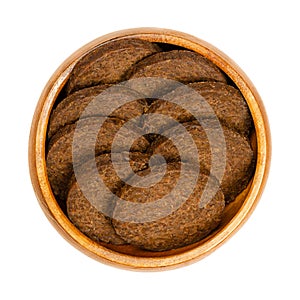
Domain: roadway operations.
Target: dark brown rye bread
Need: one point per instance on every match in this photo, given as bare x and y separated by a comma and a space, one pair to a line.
109, 63
186, 225
74, 106
178, 65
90, 212
106, 66
239, 164
60, 158
205, 100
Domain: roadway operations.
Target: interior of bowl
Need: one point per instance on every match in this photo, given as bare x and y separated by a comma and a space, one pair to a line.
232, 209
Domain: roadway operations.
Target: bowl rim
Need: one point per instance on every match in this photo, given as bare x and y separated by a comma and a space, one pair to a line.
37, 163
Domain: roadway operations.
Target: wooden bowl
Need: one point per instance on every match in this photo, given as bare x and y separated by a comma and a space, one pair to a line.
236, 213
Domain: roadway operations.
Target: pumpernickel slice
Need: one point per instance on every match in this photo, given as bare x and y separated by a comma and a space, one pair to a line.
109, 63
61, 151
177, 65
203, 100
129, 104
185, 225
237, 157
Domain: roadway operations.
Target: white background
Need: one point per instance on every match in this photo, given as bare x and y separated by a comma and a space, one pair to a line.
261, 261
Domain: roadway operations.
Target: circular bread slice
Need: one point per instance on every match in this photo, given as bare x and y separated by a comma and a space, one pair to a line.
238, 154
177, 65
73, 107
61, 151
108, 63
204, 100
188, 224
